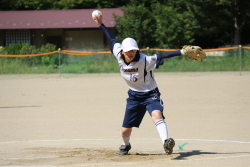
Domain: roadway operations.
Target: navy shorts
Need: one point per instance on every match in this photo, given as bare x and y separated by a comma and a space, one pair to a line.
137, 105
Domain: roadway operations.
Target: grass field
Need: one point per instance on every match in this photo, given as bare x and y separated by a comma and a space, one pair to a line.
106, 63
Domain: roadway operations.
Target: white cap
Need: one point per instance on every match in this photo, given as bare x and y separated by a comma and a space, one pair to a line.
129, 44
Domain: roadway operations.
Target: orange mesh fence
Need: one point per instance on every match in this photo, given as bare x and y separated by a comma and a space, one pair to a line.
82, 53
79, 53
217, 49
163, 50
206, 50
41, 54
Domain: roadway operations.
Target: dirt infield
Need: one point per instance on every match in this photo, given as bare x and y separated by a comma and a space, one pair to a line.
51, 121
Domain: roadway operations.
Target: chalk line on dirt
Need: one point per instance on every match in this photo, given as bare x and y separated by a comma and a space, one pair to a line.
69, 140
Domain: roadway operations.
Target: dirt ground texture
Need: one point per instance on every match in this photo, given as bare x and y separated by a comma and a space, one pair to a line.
76, 120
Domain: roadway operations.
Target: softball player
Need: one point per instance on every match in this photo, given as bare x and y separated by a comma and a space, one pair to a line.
143, 94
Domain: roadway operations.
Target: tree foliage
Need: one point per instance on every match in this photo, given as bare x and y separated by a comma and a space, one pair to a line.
220, 21
58, 4
156, 25
208, 23
173, 29
136, 23
165, 23
27, 49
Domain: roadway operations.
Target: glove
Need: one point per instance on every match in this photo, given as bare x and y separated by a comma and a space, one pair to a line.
193, 52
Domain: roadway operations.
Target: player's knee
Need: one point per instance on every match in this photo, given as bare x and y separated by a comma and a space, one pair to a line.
156, 115
126, 131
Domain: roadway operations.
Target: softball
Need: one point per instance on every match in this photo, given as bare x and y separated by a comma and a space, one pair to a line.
95, 14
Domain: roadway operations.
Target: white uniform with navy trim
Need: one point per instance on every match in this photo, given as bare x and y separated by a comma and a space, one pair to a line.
139, 74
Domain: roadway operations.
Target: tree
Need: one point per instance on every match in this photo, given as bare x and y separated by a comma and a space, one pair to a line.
59, 4
136, 23
240, 13
220, 21
165, 23
157, 25
173, 29
26, 5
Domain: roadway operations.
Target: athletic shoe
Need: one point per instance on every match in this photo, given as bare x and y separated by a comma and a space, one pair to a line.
169, 145
124, 149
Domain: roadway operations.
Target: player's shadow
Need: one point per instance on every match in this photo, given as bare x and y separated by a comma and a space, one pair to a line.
182, 154
185, 155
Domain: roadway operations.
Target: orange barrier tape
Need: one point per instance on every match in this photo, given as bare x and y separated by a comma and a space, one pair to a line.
220, 49
41, 54
206, 50
165, 50
78, 53
103, 52
81, 53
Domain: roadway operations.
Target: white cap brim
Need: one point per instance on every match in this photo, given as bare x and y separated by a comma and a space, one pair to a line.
129, 48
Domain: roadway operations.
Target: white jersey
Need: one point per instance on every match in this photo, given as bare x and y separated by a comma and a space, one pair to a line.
139, 74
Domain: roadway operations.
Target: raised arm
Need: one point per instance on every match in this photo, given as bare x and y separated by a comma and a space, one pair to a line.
106, 31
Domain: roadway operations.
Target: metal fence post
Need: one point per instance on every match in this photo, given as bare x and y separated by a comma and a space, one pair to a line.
147, 51
240, 59
59, 66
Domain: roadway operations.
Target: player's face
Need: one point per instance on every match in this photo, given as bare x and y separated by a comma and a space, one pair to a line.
129, 55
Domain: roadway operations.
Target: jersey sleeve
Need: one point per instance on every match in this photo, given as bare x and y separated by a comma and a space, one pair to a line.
117, 50
164, 55
150, 62
115, 46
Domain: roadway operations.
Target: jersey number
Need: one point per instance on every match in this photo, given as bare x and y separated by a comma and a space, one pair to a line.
133, 78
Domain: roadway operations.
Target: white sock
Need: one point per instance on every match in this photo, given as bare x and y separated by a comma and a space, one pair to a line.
125, 139
162, 129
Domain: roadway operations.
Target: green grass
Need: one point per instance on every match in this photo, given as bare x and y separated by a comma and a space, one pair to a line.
17, 66
209, 64
107, 63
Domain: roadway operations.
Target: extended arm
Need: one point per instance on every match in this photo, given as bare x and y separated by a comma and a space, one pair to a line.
162, 56
109, 35
170, 54
106, 31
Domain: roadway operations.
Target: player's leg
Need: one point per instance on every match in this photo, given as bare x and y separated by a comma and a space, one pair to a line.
168, 143
155, 109
125, 133
134, 114
160, 124
125, 147
132, 118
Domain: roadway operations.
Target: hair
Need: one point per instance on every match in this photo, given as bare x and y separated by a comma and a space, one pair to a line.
122, 55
